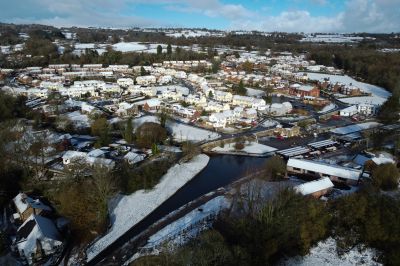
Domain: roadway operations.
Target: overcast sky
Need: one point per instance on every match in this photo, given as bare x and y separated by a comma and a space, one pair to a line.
264, 15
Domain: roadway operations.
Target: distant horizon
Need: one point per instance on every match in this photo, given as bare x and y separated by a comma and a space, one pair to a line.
194, 28
292, 16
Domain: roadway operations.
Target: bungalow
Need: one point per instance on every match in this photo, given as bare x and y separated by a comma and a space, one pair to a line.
316, 188
37, 239
26, 206
318, 169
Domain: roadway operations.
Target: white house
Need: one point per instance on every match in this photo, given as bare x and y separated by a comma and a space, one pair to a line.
246, 101
349, 111
222, 96
125, 82
216, 107
367, 109
164, 79
146, 80
217, 120
196, 99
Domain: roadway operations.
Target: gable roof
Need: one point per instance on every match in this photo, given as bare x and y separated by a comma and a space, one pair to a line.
314, 186
23, 202
37, 228
323, 168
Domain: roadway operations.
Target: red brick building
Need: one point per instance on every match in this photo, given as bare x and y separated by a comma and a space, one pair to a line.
303, 90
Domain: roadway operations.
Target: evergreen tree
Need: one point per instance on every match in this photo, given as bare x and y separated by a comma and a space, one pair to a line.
169, 49
128, 134
159, 50
143, 71
154, 149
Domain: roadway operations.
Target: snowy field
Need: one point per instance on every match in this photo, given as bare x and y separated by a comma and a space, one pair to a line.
331, 38
368, 88
252, 147
193, 33
325, 253
364, 100
129, 47
181, 132
133, 208
193, 218
145, 119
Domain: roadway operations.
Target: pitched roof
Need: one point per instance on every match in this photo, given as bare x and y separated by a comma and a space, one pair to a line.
314, 186
323, 168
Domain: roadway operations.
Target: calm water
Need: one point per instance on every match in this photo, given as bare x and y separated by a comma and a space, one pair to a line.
220, 171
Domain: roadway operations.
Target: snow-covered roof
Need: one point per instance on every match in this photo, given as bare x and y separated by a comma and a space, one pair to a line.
22, 202
74, 154
323, 168
355, 128
134, 157
314, 186
382, 159
322, 143
38, 228
96, 153
299, 150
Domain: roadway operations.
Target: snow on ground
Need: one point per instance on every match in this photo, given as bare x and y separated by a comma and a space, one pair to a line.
325, 253
133, 208
145, 119
213, 206
344, 79
331, 38
193, 219
293, 118
129, 47
254, 92
79, 120
180, 131
269, 123
183, 132
363, 100
252, 147
328, 108
84, 46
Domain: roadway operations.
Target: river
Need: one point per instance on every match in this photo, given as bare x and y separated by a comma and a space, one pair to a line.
221, 171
